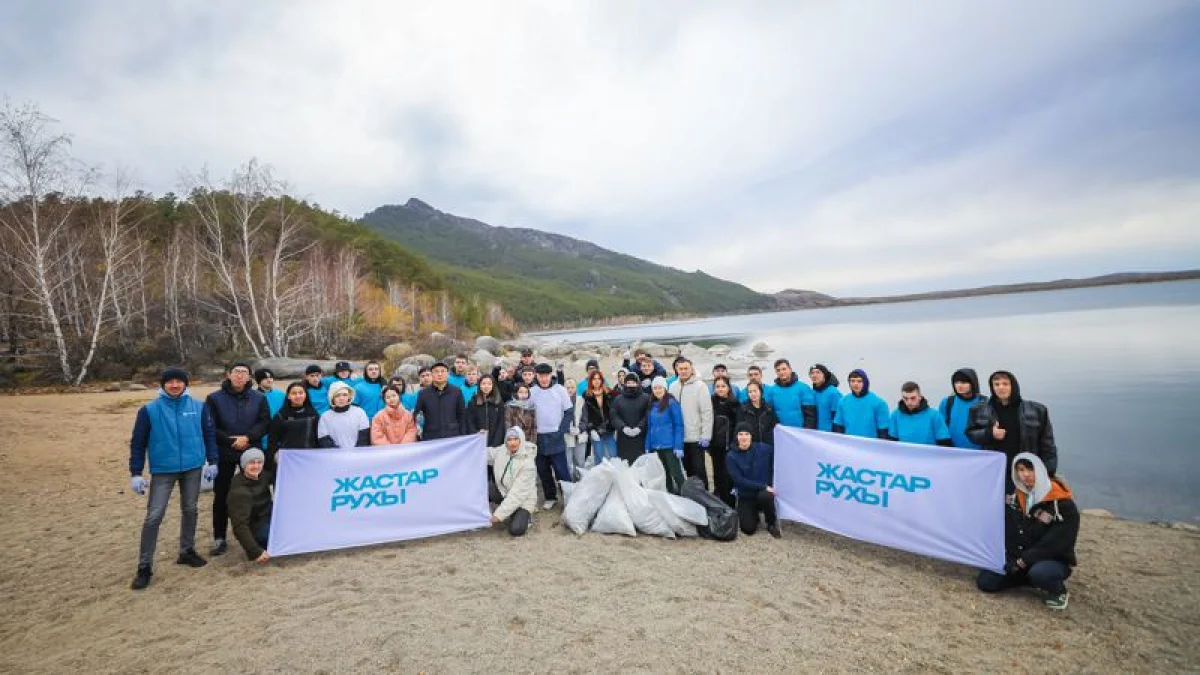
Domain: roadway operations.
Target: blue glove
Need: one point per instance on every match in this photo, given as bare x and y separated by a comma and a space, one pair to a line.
704, 444
210, 472
138, 484
679, 453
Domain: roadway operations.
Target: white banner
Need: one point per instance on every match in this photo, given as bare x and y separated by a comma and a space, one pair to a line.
946, 503
330, 499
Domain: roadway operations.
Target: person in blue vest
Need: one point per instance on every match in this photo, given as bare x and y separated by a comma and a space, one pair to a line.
914, 421
265, 380
368, 391
862, 413
241, 417
176, 433
318, 389
826, 393
955, 409
793, 400
342, 372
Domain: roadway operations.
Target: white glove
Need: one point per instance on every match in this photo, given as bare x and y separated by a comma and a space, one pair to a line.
635, 431
138, 484
210, 472
595, 436
629, 432
574, 430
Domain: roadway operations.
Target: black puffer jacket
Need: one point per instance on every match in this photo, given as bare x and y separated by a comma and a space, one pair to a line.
725, 418
597, 414
487, 414
1036, 433
761, 420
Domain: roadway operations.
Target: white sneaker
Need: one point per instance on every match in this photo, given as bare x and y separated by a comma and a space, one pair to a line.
549, 504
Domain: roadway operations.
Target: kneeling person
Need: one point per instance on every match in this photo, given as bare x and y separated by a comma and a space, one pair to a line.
514, 466
250, 505
752, 469
1041, 526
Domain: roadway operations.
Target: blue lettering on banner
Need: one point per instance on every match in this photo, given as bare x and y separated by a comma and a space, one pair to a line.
385, 489
851, 484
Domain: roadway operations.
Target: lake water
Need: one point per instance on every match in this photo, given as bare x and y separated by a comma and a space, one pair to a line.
1118, 367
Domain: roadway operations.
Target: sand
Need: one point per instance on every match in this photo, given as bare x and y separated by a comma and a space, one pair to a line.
551, 601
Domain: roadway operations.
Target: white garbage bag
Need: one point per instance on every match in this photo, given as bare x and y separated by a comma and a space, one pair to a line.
645, 516
587, 496
613, 517
650, 472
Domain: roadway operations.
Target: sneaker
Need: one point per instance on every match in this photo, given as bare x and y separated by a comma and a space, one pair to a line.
1058, 602
142, 579
773, 530
549, 504
190, 558
219, 547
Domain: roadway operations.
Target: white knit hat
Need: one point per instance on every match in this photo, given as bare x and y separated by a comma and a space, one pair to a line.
658, 382
337, 387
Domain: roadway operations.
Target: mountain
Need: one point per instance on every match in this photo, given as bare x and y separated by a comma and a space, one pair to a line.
540, 277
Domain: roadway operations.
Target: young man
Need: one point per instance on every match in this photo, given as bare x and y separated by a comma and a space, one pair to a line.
409, 399
635, 366
318, 389
555, 412
914, 421
176, 433
265, 380
368, 390
862, 413
675, 371
471, 384
250, 504
241, 417
696, 404
1010, 424
793, 400
826, 394
458, 377
1041, 527
753, 374
955, 409
342, 372
514, 467
441, 406
752, 468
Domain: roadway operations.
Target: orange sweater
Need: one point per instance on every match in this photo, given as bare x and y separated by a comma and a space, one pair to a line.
393, 426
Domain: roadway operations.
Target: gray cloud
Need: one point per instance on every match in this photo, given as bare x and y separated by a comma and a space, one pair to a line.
851, 147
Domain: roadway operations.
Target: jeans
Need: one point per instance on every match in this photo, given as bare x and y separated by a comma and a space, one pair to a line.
1047, 575
558, 462
749, 506
161, 485
604, 448
263, 535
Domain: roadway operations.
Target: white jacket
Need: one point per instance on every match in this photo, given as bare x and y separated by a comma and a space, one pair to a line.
696, 402
516, 478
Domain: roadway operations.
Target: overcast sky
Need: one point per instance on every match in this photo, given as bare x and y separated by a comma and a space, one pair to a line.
850, 147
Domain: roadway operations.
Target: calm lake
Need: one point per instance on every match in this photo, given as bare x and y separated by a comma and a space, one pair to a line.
1118, 367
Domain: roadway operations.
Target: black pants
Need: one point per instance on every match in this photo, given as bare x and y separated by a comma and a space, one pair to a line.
518, 524
749, 506
693, 462
721, 480
226, 468
1047, 575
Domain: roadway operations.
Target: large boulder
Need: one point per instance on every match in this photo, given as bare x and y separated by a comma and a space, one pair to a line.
484, 359
720, 350
408, 371
761, 349
557, 350
488, 344
518, 344
656, 350
418, 360
398, 351
693, 353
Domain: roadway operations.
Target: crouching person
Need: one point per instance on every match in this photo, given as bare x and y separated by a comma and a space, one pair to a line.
1041, 527
514, 466
752, 469
250, 506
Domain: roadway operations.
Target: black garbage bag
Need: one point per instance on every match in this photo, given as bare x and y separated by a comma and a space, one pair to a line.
722, 520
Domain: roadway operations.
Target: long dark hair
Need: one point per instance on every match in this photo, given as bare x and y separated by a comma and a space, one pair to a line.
761, 397
493, 397
728, 385
664, 402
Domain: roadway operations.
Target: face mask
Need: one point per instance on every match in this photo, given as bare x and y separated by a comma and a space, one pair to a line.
631, 388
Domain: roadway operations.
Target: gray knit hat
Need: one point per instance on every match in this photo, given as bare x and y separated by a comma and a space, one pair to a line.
250, 455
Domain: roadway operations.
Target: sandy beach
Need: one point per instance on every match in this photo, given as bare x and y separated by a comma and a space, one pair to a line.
552, 601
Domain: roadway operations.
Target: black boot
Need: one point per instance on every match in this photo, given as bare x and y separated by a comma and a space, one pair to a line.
142, 579
190, 558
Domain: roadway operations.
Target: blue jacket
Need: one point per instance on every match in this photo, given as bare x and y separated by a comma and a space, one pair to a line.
275, 399
827, 403
956, 410
751, 470
177, 433
369, 396
794, 403
666, 427
924, 426
318, 396
865, 416
457, 380
468, 391
243, 413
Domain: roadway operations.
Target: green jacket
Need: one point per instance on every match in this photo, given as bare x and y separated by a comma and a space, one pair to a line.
249, 505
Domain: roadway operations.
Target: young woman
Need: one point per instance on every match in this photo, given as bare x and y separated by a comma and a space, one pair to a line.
294, 426
759, 414
725, 415
576, 440
664, 436
394, 424
596, 418
368, 392
520, 413
485, 412
344, 425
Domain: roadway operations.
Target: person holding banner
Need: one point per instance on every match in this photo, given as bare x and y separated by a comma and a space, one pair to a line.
752, 469
862, 413
665, 433
1010, 424
443, 407
758, 414
250, 503
514, 468
1042, 524
344, 425
914, 421
393, 425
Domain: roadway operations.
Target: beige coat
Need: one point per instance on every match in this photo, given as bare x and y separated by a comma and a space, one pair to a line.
516, 478
696, 403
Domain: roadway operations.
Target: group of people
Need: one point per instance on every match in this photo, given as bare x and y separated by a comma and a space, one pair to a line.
537, 422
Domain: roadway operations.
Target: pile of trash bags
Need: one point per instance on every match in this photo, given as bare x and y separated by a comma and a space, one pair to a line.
616, 498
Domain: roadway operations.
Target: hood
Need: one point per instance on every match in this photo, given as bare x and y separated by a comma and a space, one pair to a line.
859, 372
336, 388
795, 378
969, 374
1016, 388
924, 405
517, 431
1045, 488
830, 379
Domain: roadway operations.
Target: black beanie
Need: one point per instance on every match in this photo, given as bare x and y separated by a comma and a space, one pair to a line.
742, 426
314, 369
262, 374
173, 373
